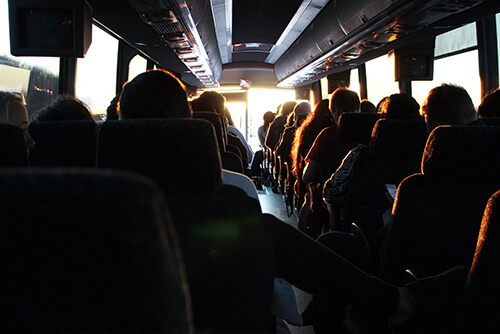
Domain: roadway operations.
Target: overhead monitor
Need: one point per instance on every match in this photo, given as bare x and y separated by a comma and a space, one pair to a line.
54, 28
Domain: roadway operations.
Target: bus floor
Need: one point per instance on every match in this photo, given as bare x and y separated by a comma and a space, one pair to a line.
273, 204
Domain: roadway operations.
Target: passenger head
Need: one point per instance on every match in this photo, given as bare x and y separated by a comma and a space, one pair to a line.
13, 111
448, 105
112, 110
287, 108
301, 111
381, 104
154, 94
268, 118
65, 108
214, 99
200, 105
490, 105
400, 106
322, 108
344, 100
366, 107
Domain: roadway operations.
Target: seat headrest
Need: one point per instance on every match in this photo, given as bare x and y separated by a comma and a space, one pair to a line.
464, 154
399, 139
88, 251
70, 143
216, 121
181, 155
356, 127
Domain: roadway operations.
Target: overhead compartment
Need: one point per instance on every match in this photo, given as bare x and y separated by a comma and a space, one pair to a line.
346, 30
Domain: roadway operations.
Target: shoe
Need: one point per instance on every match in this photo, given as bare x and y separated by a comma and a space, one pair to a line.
436, 301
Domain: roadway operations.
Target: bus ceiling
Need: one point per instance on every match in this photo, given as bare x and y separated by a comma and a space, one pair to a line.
288, 43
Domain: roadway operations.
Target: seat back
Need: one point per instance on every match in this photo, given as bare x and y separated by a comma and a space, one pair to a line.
87, 251
64, 143
13, 152
181, 155
436, 215
354, 128
397, 147
399, 139
482, 294
216, 121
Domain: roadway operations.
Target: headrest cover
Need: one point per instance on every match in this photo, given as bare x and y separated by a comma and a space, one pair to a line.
356, 127
399, 139
181, 155
464, 154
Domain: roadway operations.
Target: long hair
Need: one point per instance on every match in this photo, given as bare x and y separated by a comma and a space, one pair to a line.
312, 126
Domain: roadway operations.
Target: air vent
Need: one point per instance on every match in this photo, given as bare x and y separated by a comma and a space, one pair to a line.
174, 24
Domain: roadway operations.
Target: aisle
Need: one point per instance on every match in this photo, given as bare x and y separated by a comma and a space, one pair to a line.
273, 204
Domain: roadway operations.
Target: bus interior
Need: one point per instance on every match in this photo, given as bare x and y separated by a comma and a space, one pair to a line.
258, 55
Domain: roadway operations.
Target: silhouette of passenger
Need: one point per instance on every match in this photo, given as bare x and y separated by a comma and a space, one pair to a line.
65, 108
342, 101
278, 125
268, 118
366, 107
490, 105
448, 104
13, 111
154, 94
112, 109
400, 106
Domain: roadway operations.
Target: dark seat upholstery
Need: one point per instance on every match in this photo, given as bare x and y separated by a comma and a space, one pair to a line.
181, 155
482, 294
352, 130
492, 121
437, 214
64, 143
13, 151
89, 252
217, 123
397, 147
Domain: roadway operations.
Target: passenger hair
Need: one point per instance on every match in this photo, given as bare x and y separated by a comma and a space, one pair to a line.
215, 99
5, 98
154, 94
367, 107
490, 105
311, 125
400, 106
66, 107
287, 108
268, 118
344, 99
449, 104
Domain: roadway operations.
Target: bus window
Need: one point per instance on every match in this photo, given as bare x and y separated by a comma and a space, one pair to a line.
37, 78
354, 81
260, 101
380, 78
453, 50
96, 73
461, 69
137, 66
